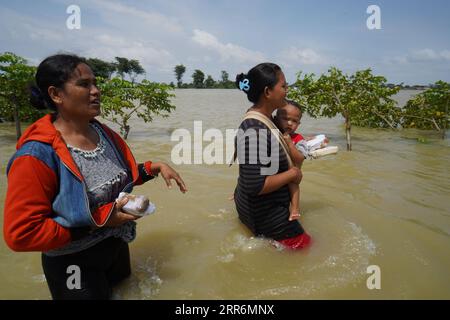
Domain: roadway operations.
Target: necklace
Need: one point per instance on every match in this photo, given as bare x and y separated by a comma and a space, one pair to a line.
99, 149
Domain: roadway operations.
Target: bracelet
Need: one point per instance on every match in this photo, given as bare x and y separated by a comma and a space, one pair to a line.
148, 169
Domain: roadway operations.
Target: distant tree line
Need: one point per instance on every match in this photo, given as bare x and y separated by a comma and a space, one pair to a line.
200, 82
362, 99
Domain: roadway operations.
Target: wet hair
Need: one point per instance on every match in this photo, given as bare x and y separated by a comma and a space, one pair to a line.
261, 76
54, 71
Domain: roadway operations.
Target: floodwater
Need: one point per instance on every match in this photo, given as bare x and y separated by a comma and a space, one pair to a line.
386, 203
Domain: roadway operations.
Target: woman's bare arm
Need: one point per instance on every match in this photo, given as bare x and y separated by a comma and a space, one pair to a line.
275, 182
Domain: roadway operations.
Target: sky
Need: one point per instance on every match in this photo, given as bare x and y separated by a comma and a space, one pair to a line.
412, 46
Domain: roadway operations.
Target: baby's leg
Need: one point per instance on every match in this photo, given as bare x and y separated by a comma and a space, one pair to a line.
294, 191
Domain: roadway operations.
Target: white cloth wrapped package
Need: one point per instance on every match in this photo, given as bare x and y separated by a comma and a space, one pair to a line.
137, 205
316, 143
316, 147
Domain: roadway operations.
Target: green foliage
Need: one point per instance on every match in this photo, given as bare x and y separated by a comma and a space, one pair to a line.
198, 77
122, 99
15, 78
224, 76
209, 82
131, 67
429, 109
135, 69
362, 98
101, 68
199, 80
179, 71
226, 83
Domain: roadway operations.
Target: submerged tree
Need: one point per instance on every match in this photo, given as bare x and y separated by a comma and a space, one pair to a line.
198, 77
209, 82
122, 99
362, 99
179, 71
15, 79
429, 109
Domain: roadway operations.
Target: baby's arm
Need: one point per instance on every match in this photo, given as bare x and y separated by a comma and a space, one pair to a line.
297, 156
294, 210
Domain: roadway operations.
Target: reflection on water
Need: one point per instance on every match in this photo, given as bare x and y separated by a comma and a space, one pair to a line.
385, 204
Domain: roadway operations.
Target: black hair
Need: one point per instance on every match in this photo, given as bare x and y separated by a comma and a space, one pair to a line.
293, 103
261, 76
53, 71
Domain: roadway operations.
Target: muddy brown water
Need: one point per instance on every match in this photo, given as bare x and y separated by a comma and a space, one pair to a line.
386, 203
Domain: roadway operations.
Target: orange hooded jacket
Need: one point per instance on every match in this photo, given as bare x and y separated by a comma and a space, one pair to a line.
30, 220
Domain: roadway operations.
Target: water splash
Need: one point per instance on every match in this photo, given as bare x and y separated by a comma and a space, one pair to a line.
144, 282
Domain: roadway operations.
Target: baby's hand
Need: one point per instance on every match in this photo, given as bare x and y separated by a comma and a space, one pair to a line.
287, 138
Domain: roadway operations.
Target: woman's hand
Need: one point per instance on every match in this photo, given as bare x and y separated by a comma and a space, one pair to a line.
118, 217
169, 174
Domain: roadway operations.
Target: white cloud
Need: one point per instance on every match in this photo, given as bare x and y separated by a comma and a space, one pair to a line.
227, 51
307, 56
421, 55
445, 54
107, 47
44, 34
399, 60
101, 43
150, 18
424, 54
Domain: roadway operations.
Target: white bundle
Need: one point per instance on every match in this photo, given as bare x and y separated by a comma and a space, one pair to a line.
323, 151
316, 147
316, 143
137, 205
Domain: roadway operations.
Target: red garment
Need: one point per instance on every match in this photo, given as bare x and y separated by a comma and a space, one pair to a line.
296, 137
298, 242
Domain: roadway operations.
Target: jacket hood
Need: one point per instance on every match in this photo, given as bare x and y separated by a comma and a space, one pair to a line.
42, 130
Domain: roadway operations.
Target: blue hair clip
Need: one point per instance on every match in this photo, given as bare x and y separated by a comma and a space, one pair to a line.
244, 85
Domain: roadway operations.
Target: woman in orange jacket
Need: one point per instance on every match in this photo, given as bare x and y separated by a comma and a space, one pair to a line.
63, 182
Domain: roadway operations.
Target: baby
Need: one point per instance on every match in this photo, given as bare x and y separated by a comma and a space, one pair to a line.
288, 120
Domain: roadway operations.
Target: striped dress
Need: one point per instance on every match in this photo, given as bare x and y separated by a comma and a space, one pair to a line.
265, 215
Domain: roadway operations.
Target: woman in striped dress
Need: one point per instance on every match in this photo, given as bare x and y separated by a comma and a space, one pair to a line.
262, 195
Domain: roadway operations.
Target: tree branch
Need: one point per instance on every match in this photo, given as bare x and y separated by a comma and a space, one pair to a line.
383, 117
426, 119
